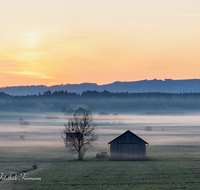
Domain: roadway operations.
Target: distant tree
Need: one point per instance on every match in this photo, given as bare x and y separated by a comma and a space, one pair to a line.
103, 113
81, 111
22, 137
23, 122
47, 93
63, 109
115, 114
148, 128
69, 112
79, 132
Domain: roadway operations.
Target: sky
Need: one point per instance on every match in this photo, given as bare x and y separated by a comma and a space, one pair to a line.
52, 42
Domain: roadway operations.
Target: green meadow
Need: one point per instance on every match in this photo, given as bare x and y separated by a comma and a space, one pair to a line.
173, 155
166, 167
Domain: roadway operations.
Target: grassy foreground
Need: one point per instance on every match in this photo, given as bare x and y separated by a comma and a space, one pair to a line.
175, 167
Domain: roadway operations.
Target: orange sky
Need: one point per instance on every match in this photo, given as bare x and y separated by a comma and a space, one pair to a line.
58, 42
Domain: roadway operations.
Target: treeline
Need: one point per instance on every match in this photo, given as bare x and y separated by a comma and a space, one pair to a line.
101, 101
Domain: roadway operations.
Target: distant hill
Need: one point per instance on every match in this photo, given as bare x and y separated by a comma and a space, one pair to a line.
167, 85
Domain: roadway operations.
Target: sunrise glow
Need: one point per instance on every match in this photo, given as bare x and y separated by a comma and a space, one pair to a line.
59, 42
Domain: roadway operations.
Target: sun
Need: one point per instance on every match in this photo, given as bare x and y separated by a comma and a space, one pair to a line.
31, 39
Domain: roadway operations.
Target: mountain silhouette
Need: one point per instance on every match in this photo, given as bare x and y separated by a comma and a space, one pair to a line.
167, 85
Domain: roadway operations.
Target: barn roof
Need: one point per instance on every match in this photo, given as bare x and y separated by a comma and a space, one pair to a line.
131, 134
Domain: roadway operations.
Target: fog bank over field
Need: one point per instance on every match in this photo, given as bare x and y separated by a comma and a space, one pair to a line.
43, 132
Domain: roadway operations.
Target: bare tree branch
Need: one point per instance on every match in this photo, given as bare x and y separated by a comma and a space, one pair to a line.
79, 132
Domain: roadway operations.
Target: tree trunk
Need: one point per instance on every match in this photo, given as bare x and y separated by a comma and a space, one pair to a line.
79, 156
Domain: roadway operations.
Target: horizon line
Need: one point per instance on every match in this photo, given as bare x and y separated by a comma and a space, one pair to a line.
48, 86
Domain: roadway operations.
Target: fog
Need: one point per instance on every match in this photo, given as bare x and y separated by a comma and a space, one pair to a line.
39, 131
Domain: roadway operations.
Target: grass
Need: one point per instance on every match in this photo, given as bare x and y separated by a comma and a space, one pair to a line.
167, 167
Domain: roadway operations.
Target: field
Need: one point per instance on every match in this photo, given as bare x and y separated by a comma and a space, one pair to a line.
167, 167
173, 156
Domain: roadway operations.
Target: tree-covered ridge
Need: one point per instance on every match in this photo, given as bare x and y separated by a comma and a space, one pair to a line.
165, 86
102, 101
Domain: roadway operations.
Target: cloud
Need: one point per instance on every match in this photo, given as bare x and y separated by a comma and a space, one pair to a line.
32, 74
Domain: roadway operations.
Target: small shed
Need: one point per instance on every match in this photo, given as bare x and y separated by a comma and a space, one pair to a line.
128, 146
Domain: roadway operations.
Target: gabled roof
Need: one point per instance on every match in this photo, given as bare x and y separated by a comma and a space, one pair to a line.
131, 134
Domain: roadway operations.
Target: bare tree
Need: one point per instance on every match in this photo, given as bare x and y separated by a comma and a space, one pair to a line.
79, 132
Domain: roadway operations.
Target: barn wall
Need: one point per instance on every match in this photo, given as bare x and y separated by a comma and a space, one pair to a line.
128, 147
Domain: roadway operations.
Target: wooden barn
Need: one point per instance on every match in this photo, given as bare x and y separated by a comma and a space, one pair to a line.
128, 146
